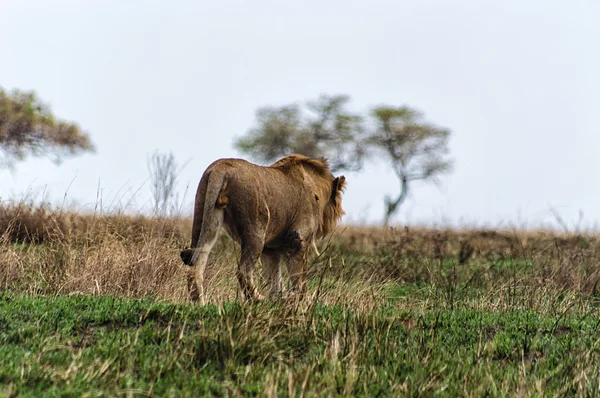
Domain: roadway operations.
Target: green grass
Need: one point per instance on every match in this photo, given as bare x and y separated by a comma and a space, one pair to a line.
103, 346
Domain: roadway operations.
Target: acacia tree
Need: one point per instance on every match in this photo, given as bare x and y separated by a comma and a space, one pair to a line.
28, 127
327, 129
416, 149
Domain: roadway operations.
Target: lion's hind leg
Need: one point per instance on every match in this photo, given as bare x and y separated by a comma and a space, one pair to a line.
208, 238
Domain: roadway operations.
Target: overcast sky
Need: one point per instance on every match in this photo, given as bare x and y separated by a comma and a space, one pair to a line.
516, 81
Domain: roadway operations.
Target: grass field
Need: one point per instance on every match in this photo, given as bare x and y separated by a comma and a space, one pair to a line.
97, 306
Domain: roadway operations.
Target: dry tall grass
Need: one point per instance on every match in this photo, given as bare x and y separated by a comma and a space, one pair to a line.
50, 251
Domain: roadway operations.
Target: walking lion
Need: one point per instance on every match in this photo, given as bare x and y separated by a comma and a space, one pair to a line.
273, 212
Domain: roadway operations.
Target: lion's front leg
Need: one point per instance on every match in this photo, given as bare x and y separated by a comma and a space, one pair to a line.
297, 266
251, 251
272, 274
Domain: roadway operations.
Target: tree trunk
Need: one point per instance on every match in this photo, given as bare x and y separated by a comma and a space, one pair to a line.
392, 206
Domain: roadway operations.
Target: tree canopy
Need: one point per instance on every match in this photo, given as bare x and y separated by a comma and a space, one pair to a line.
28, 127
325, 128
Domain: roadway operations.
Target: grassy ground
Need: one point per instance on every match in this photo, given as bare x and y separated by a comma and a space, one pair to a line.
79, 345
97, 306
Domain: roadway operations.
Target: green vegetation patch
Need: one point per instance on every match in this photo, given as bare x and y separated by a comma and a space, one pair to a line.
70, 346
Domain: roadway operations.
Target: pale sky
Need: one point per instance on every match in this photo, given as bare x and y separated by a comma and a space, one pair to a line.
516, 81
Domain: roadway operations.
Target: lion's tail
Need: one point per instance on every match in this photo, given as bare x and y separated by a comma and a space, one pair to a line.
211, 200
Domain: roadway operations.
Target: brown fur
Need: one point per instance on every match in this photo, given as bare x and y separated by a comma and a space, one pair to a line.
272, 211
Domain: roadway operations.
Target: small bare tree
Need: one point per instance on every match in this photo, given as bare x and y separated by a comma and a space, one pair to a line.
163, 176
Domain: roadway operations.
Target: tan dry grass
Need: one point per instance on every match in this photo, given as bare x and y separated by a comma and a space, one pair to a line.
51, 251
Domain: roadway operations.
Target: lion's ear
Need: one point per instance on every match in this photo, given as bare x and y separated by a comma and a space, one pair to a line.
342, 183
339, 184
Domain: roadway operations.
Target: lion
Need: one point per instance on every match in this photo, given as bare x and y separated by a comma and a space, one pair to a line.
273, 212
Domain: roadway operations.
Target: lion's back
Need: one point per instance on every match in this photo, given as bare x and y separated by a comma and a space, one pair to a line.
257, 192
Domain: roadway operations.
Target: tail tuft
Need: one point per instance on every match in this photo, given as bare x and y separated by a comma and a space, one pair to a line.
186, 256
